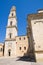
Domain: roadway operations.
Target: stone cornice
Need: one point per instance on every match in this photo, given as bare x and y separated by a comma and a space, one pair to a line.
12, 17
12, 10
8, 39
12, 27
39, 51
35, 16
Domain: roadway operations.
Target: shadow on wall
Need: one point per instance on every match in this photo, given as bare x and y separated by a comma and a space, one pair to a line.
32, 49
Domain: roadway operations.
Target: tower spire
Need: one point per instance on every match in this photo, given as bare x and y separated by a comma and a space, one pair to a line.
12, 12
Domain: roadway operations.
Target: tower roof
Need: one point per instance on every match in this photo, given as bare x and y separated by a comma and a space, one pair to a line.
13, 8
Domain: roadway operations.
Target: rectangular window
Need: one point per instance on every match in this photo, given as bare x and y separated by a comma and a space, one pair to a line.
20, 48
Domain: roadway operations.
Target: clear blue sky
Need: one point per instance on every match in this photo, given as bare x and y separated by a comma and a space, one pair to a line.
23, 7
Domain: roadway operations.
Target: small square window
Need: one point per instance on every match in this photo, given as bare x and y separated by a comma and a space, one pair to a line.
24, 38
24, 48
20, 38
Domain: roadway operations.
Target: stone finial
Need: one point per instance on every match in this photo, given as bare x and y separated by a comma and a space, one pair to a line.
13, 8
40, 11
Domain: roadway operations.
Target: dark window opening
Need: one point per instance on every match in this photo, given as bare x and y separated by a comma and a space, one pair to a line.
19, 38
1, 49
11, 23
20, 48
12, 14
9, 52
24, 48
10, 35
24, 38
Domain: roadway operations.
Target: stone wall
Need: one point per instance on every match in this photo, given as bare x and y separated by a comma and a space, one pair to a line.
22, 46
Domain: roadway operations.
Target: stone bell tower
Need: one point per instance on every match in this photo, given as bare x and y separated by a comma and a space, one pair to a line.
11, 33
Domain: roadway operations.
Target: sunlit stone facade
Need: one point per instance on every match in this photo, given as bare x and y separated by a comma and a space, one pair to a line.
35, 31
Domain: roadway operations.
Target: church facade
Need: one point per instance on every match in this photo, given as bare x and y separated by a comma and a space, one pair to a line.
14, 45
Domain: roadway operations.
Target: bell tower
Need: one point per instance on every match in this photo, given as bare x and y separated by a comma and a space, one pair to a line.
11, 33
12, 24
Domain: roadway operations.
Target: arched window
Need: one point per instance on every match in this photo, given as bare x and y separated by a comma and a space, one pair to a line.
10, 35
12, 14
11, 23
